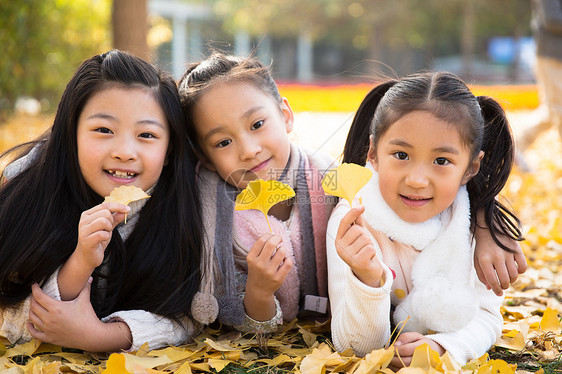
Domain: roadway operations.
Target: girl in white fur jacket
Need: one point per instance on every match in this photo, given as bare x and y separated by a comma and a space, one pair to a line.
437, 154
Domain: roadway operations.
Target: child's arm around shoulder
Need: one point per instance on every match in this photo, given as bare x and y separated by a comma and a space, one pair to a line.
360, 312
496, 267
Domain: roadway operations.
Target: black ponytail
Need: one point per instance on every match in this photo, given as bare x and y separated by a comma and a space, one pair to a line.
498, 147
357, 143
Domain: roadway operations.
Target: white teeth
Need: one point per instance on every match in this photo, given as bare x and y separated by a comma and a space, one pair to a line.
121, 174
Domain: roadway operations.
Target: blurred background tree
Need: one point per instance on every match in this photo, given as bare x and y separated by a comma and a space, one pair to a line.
43, 43
129, 21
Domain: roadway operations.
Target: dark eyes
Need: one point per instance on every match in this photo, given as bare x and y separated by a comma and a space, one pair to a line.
103, 130
401, 155
441, 161
224, 143
257, 125
144, 135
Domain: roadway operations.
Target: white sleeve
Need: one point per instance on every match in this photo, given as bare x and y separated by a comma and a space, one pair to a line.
480, 334
14, 320
154, 329
360, 314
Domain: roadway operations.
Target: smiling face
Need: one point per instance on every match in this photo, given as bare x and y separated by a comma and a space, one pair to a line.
242, 132
122, 139
422, 161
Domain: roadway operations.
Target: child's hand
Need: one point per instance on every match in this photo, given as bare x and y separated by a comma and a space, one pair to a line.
405, 346
94, 232
496, 267
355, 247
74, 323
268, 266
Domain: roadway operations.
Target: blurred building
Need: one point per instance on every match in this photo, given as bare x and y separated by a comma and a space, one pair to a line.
197, 30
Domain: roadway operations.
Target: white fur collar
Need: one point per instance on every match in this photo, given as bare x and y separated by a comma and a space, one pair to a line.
443, 298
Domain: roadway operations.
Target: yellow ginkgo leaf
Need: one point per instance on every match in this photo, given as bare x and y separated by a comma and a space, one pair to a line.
125, 194
346, 180
496, 367
512, 340
549, 321
376, 360
262, 195
116, 364
424, 357
317, 361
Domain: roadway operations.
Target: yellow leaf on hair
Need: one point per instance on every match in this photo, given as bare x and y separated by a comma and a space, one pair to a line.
346, 180
262, 195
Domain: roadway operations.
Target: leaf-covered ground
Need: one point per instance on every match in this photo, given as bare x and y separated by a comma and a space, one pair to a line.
531, 340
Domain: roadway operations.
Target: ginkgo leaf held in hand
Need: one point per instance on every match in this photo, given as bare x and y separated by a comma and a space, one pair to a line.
126, 194
262, 195
346, 180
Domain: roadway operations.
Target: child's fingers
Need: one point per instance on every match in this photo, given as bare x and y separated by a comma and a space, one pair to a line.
348, 220
98, 224
503, 276
286, 266
35, 321
353, 241
480, 274
512, 270
408, 337
360, 220
115, 207
258, 246
283, 270
35, 332
271, 247
492, 279
118, 218
40, 300
521, 261
107, 206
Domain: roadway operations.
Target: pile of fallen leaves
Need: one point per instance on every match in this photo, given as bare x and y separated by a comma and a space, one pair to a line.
531, 339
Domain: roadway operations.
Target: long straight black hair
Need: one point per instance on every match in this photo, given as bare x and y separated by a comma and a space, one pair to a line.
157, 268
481, 122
